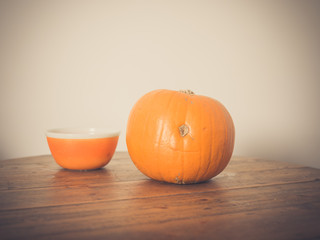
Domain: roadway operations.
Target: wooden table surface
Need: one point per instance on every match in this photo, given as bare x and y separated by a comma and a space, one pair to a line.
251, 199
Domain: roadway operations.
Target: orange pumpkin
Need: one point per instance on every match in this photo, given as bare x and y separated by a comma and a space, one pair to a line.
179, 137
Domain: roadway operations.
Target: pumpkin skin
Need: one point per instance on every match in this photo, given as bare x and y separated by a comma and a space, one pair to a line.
179, 137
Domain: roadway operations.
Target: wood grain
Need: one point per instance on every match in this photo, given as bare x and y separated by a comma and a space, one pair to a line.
251, 199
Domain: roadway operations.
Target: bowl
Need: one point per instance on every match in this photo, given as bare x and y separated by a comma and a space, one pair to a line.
82, 148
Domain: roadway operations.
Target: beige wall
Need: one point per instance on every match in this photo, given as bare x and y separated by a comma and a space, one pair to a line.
85, 63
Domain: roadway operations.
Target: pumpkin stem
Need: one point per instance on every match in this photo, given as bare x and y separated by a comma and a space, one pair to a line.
183, 130
187, 91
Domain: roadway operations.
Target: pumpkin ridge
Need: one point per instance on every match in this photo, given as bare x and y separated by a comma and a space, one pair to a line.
221, 167
205, 103
222, 162
210, 155
183, 140
189, 131
200, 146
147, 117
229, 138
220, 152
170, 101
158, 147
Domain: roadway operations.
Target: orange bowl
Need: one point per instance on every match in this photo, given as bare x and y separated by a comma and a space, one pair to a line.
82, 148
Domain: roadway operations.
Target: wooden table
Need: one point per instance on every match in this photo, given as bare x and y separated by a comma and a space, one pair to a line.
251, 199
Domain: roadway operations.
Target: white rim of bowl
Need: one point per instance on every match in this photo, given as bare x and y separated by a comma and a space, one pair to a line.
81, 133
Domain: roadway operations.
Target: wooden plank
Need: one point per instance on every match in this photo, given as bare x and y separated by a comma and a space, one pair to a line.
123, 181
288, 211
45, 173
291, 223
68, 192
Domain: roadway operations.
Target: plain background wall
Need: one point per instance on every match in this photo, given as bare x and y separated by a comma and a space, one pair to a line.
85, 63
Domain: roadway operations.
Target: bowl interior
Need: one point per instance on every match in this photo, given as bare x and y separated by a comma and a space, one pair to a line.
81, 133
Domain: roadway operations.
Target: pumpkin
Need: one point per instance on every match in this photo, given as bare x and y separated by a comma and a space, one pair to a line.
179, 137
